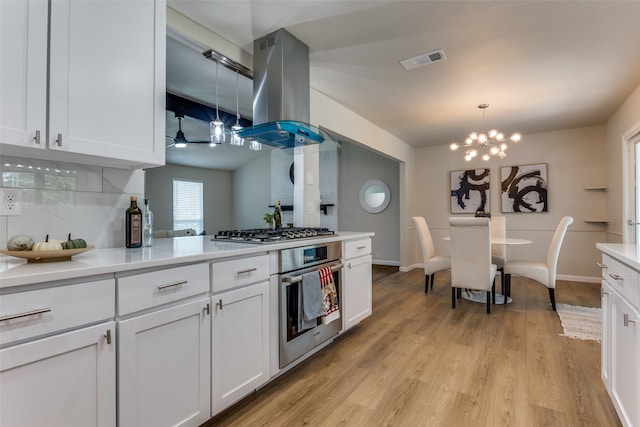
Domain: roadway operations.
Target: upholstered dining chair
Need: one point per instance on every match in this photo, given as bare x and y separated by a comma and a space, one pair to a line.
541, 272
499, 252
432, 263
471, 266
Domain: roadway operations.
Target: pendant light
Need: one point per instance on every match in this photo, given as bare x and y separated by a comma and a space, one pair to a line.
485, 144
216, 127
236, 139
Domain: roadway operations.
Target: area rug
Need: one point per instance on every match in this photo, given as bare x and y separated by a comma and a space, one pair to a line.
583, 323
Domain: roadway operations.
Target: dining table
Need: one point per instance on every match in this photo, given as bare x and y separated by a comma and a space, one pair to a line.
479, 296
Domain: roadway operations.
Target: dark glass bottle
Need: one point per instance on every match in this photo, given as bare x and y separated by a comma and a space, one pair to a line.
133, 219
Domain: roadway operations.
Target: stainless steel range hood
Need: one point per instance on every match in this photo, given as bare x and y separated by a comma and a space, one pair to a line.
281, 93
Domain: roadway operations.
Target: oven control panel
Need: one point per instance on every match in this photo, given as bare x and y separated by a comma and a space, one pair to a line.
305, 256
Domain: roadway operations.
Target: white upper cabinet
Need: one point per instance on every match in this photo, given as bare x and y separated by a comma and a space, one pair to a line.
106, 85
23, 73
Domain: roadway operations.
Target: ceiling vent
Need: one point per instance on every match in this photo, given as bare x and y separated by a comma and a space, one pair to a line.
424, 59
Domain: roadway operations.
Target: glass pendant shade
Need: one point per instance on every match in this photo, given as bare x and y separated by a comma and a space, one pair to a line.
255, 145
236, 139
216, 127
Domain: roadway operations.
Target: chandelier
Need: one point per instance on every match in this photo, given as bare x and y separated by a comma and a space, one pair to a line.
485, 144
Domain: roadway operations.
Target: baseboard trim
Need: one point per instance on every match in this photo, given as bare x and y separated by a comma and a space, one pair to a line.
384, 262
573, 278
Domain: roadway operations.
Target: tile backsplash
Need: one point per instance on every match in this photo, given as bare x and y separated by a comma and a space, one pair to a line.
62, 198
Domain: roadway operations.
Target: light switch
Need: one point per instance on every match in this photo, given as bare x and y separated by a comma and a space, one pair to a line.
309, 178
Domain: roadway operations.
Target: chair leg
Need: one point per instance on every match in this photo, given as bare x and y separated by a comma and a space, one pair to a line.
433, 278
426, 283
493, 291
552, 297
488, 302
502, 285
507, 284
453, 297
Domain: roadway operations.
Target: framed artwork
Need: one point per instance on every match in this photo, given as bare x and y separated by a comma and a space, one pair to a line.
524, 188
470, 191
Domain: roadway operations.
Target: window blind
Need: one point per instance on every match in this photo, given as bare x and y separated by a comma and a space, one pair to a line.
187, 205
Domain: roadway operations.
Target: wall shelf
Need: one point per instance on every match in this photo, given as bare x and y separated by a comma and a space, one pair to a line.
596, 221
289, 208
596, 188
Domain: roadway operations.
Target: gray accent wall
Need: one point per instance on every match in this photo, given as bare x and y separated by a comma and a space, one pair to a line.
217, 195
357, 166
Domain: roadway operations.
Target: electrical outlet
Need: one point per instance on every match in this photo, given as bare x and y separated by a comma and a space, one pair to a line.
10, 201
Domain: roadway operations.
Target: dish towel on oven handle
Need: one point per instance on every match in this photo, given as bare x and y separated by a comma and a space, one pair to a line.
330, 304
310, 301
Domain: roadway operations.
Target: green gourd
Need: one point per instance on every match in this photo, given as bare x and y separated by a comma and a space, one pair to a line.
74, 243
20, 242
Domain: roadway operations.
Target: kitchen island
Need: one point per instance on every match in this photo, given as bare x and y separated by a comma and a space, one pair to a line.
620, 304
168, 335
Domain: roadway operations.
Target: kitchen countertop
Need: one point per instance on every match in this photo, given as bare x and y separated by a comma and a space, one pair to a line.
17, 272
628, 253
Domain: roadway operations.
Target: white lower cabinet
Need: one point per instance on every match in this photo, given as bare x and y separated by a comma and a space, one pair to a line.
164, 367
63, 380
624, 373
621, 338
356, 284
240, 344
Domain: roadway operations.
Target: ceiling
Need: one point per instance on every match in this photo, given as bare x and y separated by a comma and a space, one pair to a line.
540, 65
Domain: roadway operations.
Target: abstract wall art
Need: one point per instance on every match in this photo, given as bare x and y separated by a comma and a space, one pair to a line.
470, 191
524, 188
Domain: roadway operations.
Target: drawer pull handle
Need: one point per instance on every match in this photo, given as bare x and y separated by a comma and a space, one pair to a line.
25, 314
361, 247
626, 320
219, 304
171, 285
59, 140
616, 276
601, 265
108, 336
36, 138
247, 271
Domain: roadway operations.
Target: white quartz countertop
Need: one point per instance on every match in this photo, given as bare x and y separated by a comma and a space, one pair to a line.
165, 252
628, 253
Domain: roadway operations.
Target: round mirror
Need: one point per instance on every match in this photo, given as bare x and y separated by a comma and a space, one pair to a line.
375, 196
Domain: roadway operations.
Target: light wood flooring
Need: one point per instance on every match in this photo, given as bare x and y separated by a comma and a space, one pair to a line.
418, 362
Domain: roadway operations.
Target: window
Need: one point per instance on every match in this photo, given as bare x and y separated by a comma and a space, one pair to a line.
187, 205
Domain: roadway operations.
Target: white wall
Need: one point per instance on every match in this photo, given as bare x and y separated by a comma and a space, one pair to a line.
576, 160
625, 118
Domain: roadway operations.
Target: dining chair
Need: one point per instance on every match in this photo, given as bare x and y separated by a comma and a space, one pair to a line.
541, 272
432, 263
471, 266
499, 252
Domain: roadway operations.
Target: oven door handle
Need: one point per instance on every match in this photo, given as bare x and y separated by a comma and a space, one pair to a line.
296, 279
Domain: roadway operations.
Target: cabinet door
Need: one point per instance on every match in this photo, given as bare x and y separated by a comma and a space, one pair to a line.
625, 354
163, 367
240, 344
357, 290
23, 72
605, 367
107, 79
64, 380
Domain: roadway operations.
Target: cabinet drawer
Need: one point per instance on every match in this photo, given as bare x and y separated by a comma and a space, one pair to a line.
30, 314
239, 272
622, 278
146, 290
357, 248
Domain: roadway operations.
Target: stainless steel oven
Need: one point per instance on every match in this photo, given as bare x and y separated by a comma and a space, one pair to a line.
294, 262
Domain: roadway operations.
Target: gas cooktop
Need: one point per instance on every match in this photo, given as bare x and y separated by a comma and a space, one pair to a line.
270, 235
